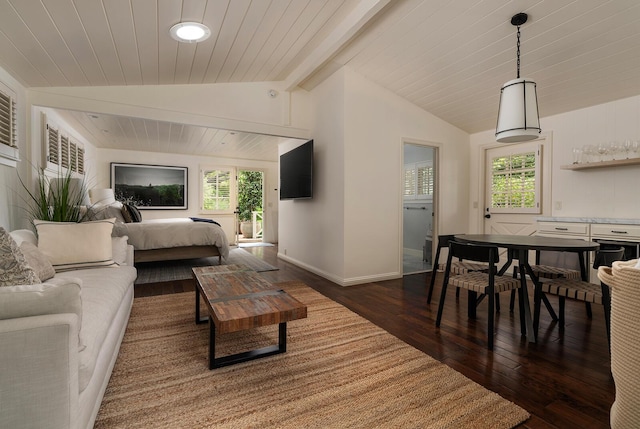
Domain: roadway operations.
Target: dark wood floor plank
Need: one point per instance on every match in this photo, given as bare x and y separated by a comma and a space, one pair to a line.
564, 380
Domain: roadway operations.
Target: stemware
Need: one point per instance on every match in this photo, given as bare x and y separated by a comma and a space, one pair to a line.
589, 152
602, 149
614, 149
626, 146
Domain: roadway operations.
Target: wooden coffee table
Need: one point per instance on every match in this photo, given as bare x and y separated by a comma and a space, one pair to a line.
239, 298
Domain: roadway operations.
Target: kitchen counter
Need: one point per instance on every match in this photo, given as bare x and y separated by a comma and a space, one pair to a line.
589, 220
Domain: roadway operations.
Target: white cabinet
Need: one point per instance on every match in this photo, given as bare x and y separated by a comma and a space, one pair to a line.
572, 230
607, 234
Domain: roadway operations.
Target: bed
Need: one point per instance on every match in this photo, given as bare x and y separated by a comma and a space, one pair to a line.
174, 238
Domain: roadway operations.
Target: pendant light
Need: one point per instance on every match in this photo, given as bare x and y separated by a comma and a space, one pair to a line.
518, 118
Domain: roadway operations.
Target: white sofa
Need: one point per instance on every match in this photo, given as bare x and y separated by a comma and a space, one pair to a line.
56, 358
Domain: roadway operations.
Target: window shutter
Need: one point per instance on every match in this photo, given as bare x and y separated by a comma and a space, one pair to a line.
409, 182
8, 125
80, 160
73, 156
54, 148
64, 151
425, 181
216, 186
515, 180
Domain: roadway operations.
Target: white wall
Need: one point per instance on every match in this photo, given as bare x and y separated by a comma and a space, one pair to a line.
194, 164
311, 232
359, 130
607, 192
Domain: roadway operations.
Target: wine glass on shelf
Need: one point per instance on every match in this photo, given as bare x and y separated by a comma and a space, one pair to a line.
589, 152
635, 147
602, 149
614, 149
626, 146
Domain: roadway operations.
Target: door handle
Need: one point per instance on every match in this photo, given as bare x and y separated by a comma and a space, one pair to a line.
487, 216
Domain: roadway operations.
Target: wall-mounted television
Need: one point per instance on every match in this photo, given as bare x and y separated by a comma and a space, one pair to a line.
296, 172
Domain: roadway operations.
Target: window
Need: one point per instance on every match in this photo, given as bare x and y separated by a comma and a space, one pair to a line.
217, 190
418, 181
62, 151
515, 180
8, 133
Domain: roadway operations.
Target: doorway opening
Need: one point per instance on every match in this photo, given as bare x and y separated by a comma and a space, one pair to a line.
418, 208
250, 228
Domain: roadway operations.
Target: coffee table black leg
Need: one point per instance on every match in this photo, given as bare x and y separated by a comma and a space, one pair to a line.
212, 344
245, 356
282, 337
198, 319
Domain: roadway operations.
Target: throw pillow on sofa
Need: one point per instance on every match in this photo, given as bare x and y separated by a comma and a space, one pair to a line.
71, 246
38, 261
14, 269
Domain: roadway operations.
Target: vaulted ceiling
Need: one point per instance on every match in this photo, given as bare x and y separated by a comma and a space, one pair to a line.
449, 57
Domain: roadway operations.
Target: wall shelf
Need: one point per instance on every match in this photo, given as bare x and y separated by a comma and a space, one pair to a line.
601, 164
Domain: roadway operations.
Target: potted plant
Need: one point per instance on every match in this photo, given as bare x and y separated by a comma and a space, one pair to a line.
59, 199
249, 199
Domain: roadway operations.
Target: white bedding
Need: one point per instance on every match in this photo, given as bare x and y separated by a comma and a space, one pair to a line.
173, 232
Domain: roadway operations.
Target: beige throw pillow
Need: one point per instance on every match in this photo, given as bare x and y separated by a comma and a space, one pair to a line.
14, 269
73, 246
37, 260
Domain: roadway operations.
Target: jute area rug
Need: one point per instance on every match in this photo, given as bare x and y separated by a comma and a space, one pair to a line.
339, 371
154, 272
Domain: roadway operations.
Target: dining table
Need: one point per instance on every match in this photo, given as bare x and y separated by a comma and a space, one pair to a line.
518, 247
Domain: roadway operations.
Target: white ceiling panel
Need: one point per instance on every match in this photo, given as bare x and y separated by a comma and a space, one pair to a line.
449, 57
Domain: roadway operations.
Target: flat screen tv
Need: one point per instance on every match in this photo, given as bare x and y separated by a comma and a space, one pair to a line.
296, 172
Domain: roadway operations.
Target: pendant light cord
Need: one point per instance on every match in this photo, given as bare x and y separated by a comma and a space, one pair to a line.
518, 45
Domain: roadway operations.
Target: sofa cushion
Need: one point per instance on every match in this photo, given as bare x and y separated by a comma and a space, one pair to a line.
70, 245
38, 261
14, 269
58, 296
24, 235
103, 290
119, 246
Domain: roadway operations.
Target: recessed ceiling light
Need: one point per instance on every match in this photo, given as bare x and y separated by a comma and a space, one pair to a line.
190, 32
93, 116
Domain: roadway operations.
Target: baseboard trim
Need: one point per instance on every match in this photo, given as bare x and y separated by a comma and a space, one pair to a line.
352, 281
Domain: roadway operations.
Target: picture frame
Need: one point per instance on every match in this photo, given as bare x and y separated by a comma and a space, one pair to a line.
150, 187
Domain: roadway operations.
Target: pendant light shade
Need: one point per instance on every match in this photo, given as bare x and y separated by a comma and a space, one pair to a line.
518, 118
518, 112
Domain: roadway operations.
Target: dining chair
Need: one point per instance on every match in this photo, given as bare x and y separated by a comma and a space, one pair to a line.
487, 283
580, 290
547, 269
457, 266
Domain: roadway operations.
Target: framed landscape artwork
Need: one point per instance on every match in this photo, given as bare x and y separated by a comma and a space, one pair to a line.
149, 187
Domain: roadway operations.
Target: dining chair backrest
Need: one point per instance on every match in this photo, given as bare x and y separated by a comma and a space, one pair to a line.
473, 252
606, 257
443, 240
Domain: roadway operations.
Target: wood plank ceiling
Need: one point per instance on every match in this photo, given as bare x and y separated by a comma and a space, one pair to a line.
449, 57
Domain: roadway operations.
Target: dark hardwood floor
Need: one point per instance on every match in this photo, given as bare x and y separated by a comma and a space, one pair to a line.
563, 381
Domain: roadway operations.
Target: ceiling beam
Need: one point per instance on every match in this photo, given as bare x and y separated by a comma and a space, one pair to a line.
343, 33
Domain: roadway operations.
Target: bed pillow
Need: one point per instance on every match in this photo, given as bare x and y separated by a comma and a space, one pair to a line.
73, 246
125, 214
14, 269
101, 212
38, 261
